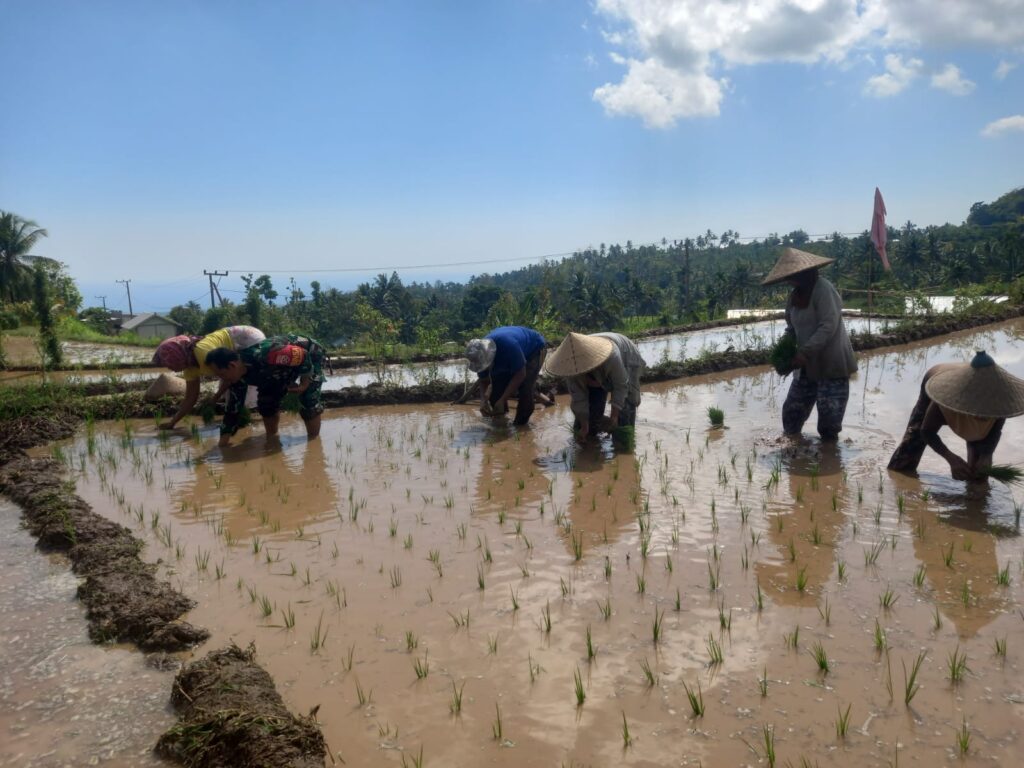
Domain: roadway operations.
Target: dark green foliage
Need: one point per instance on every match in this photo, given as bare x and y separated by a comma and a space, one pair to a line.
44, 312
624, 438
782, 354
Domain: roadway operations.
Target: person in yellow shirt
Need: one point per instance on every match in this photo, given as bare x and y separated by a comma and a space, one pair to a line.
187, 355
974, 400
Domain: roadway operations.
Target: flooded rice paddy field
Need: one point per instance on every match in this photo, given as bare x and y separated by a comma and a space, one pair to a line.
501, 597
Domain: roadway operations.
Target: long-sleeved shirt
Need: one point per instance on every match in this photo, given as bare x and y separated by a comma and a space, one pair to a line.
619, 375
821, 335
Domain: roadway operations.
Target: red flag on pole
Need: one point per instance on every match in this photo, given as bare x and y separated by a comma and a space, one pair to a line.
878, 232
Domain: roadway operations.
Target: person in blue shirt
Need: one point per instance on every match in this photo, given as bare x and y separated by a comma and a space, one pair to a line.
508, 361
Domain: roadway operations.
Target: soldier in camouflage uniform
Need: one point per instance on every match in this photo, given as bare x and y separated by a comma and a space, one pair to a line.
275, 366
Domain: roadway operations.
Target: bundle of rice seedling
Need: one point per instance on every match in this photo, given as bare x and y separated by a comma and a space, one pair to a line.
208, 413
1005, 473
716, 416
782, 354
624, 438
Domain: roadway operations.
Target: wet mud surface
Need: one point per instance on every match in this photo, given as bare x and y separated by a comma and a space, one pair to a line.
430, 581
233, 717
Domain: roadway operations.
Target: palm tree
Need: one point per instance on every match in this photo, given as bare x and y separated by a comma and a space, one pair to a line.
17, 238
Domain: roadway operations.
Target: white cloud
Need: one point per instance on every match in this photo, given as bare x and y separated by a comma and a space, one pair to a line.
1004, 68
976, 23
1011, 124
660, 95
952, 80
898, 75
674, 50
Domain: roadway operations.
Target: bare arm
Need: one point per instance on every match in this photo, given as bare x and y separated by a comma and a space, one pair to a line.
517, 378
930, 425
187, 404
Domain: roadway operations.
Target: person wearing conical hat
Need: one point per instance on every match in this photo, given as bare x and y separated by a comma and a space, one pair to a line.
187, 355
597, 367
508, 361
974, 400
824, 361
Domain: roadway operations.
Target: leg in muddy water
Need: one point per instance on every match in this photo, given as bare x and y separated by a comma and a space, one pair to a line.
832, 397
313, 427
908, 453
524, 397
799, 403
270, 423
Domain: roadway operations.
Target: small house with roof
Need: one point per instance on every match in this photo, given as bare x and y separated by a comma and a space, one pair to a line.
149, 325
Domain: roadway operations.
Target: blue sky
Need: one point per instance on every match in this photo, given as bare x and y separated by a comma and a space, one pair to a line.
156, 139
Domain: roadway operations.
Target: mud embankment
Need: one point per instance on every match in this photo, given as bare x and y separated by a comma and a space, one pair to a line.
231, 716
123, 599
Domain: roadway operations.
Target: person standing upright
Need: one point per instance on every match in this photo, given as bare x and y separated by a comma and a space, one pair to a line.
824, 360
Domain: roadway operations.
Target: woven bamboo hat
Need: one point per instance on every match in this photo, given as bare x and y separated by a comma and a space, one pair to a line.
577, 354
792, 261
981, 389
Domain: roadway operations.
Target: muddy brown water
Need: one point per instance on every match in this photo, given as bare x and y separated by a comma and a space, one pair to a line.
401, 523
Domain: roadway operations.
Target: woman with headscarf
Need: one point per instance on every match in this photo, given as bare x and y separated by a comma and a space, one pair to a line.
597, 367
187, 355
974, 400
824, 360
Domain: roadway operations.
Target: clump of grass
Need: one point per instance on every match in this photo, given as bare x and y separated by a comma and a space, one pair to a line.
1005, 473
782, 353
696, 699
455, 705
888, 598
963, 738
762, 683
880, 639
649, 675
768, 738
319, 636
716, 416
656, 626
422, 667
714, 650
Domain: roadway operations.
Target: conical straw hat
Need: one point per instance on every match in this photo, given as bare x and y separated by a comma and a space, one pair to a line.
577, 354
792, 261
981, 389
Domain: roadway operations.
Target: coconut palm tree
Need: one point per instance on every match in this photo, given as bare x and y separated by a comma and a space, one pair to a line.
18, 237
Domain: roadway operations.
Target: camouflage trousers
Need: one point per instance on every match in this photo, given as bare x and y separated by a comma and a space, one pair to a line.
829, 395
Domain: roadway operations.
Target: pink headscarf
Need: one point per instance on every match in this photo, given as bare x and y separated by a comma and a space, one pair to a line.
177, 353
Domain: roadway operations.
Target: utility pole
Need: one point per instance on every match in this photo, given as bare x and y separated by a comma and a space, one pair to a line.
213, 288
104, 300
128, 287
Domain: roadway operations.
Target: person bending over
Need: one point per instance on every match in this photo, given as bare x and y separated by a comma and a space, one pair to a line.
509, 358
275, 366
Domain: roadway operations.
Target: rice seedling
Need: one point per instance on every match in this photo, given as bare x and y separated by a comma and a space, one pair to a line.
841, 571
792, 639
1001, 647
956, 664
714, 650
668, 562
963, 738
411, 641
768, 739
713, 578
415, 761
460, 619
724, 619
716, 416
492, 645
801, 580
319, 636
577, 546
919, 576
826, 612
910, 684
480, 578
678, 604
266, 606
496, 726
535, 669
566, 586
880, 641
791, 547
656, 625
515, 598
888, 598
696, 700
421, 667
759, 597
936, 619
842, 722
396, 577
607, 568
745, 558
947, 555
627, 740
871, 555
820, 657
649, 675
545, 618
1005, 473
591, 651
1003, 576
641, 583
455, 704
580, 692
288, 617
965, 594
968, 545
762, 683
